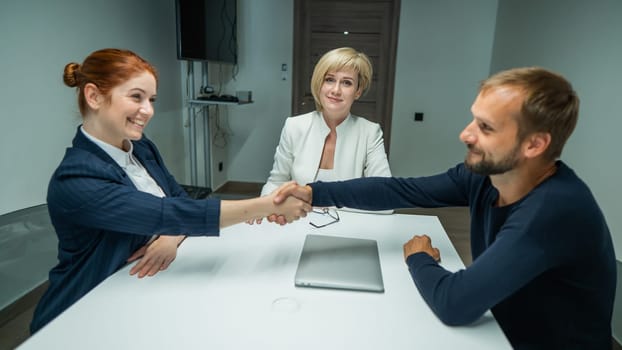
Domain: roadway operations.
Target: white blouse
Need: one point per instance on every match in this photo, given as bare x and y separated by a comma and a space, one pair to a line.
359, 150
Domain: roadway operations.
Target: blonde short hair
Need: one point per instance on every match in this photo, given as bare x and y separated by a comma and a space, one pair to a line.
339, 59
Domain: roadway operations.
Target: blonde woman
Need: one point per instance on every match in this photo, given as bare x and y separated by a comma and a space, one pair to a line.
331, 144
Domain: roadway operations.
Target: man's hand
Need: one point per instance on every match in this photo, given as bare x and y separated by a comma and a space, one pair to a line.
156, 256
304, 193
421, 244
289, 189
287, 210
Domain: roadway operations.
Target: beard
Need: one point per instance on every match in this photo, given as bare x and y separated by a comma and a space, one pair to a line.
489, 167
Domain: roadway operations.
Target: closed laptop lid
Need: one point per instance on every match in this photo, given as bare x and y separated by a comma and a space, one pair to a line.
339, 263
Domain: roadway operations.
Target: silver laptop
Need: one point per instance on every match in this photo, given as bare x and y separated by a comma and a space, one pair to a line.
339, 263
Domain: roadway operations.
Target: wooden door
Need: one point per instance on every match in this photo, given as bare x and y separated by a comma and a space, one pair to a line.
367, 26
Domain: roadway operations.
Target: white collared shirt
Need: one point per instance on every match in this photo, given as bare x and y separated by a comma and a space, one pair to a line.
132, 167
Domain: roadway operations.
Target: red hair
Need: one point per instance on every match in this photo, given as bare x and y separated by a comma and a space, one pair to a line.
106, 68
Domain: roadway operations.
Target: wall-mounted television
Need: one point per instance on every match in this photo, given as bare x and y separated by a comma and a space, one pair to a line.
207, 30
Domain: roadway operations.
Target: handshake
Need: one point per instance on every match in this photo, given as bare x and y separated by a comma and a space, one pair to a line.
286, 204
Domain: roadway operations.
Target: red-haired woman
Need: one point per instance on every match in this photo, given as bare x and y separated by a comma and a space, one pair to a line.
111, 199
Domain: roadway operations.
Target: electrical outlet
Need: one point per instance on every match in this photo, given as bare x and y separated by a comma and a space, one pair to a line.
220, 166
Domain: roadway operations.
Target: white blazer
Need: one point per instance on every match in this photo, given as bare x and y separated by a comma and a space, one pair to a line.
359, 151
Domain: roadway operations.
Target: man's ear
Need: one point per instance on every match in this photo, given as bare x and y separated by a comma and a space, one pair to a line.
537, 143
92, 96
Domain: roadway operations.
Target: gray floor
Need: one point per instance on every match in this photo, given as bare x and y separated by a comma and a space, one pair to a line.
14, 320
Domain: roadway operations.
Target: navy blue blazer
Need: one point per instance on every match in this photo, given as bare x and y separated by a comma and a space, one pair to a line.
101, 218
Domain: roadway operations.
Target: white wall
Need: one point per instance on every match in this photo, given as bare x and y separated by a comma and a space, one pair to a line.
584, 43
444, 50
38, 114
265, 41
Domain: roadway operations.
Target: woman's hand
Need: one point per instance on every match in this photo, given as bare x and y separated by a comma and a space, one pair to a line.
254, 221
156, 256
290, 192
288, 207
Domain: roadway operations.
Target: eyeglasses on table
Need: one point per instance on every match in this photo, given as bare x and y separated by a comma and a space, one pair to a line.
322, 217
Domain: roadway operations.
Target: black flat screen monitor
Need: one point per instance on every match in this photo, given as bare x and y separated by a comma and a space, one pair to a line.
206, 30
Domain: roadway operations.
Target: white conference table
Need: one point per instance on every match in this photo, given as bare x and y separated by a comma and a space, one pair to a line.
237, 291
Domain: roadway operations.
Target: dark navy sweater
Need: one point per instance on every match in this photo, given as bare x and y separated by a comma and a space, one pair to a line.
544, 265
